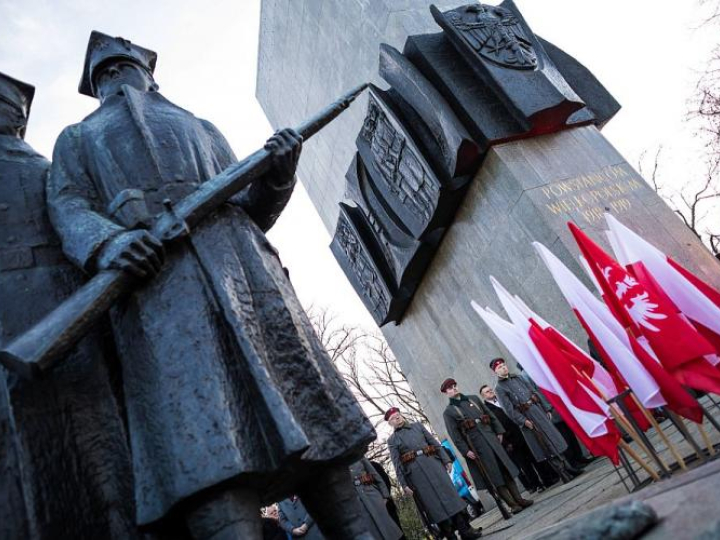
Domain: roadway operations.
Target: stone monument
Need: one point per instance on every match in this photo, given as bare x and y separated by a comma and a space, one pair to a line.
478, 138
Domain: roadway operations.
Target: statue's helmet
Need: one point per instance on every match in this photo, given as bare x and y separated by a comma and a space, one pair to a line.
103, 48
17, 94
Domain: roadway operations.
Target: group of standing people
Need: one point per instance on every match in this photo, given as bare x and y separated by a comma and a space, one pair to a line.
509, 432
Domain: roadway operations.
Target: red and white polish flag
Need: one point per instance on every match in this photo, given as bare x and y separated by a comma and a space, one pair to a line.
697, 300
645, 311
578, 405
649, 381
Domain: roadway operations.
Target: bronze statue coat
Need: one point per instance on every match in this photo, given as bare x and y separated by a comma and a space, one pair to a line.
372, 499
425, 475
512, 393
65, 470
224, 376
483, 438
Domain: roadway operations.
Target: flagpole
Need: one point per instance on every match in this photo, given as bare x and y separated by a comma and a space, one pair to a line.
703, 433
682, 428
650, 418
629, 429
633, 454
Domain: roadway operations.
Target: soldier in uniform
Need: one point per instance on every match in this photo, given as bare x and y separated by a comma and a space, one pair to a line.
422, 467
231, 400
373, 494
478, 435
534, 417
513, 442
65, 470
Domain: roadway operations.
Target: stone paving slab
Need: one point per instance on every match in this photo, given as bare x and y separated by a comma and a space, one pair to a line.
689, 502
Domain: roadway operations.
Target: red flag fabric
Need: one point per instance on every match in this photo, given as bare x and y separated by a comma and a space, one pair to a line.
677, 398
645, 311
712, 294
576, 388
620, 382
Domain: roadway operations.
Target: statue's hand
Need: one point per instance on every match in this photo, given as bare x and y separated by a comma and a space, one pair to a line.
285, 147
137, 252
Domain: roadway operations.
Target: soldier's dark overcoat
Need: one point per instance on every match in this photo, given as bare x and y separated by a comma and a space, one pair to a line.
65, 470
426, 475
372, 499
224, 376
514, 391
484, 438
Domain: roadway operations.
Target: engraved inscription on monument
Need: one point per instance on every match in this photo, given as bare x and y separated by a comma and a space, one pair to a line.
594, 193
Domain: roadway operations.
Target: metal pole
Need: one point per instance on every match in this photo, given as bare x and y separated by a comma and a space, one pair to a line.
664, 472
682, 428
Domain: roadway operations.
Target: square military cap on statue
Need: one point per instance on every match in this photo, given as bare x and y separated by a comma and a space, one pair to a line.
16, 93
102, 48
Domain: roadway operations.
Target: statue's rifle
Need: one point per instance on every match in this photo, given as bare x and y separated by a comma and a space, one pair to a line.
35, 351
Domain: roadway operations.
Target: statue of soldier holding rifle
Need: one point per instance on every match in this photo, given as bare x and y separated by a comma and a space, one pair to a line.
231, 400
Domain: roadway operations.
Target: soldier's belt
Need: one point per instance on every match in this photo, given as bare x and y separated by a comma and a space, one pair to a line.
534, 400
407, 457
363, 479
472, 422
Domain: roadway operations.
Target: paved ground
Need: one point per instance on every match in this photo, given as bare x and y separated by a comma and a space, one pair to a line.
601, 484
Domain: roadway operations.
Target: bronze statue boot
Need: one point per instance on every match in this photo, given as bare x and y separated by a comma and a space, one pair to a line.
515, 492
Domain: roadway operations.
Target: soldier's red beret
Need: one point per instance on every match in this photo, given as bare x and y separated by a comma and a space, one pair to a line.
390, 412
496, 362
447, 383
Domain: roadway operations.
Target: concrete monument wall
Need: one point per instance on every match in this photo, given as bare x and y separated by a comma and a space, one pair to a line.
313, 50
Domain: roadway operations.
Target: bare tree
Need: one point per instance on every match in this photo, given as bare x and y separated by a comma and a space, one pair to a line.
694, 202
372, 373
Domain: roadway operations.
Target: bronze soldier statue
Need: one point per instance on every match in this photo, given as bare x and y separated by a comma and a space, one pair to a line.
478, 435
232, 402
65, 470
422, 468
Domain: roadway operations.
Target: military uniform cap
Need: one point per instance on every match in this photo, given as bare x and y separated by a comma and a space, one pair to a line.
447, 383
495, 362
16, 93
102, 48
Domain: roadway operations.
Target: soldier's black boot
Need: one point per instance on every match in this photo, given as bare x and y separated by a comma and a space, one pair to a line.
461, 523
505, 495
332, 501
515, 492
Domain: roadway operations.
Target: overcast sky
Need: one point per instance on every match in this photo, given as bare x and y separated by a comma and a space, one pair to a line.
646, 52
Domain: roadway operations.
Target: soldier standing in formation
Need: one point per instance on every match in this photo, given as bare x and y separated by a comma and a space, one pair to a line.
477, 434
524, 406
422, 466
513, 442
373, 495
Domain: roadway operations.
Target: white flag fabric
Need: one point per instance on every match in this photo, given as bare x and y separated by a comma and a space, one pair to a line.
605, 328
600, 375
532, 361
630, 248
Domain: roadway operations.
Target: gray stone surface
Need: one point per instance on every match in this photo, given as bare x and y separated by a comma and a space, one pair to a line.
525, 190
686, 503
